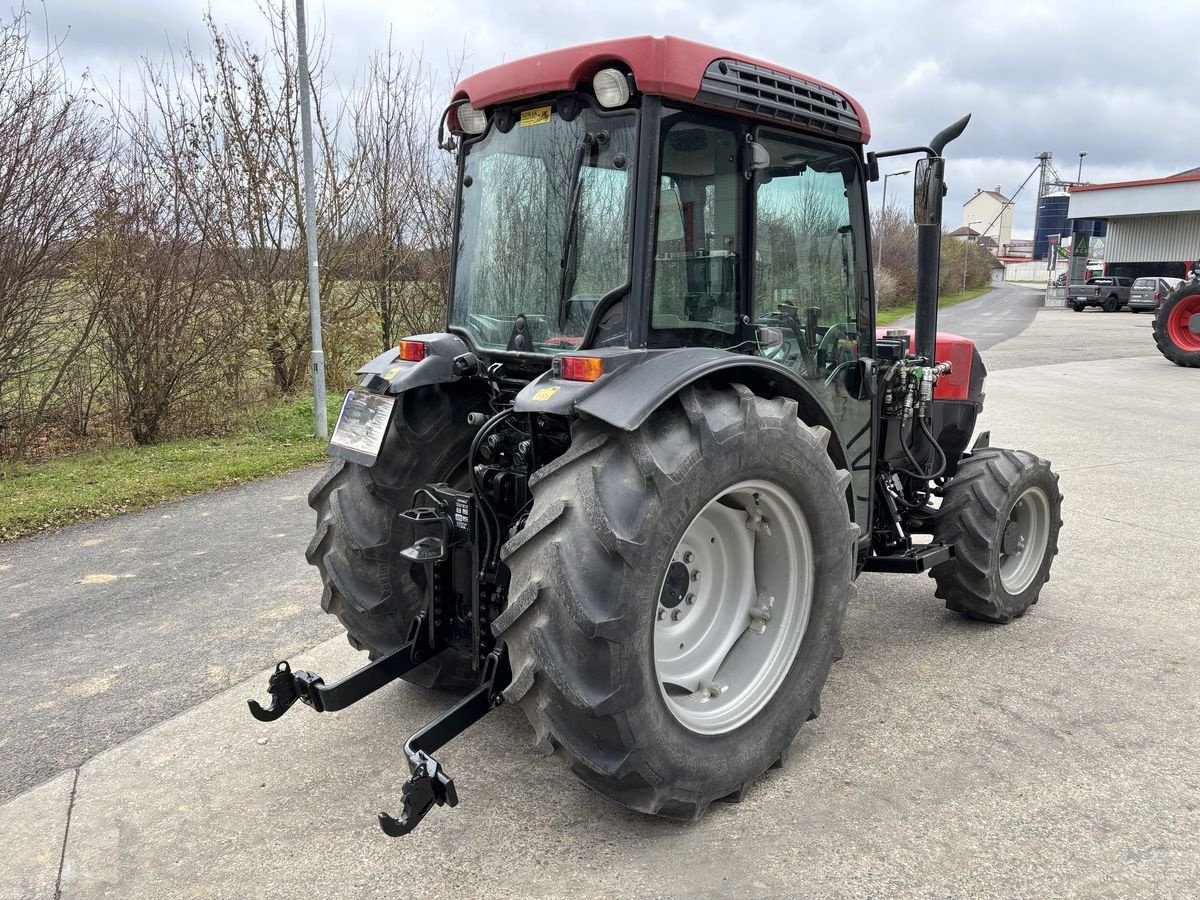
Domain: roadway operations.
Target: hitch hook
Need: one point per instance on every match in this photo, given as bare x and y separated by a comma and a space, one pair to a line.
282, 688
429, 785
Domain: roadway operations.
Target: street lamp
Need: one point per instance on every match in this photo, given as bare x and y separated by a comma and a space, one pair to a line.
967, 251
1079, 174
883, 222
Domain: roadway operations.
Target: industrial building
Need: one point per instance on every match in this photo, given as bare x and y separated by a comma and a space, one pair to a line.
1153, 225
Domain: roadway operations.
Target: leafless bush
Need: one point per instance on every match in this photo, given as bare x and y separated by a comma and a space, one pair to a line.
54, 156
230, 125
404, 193
169, 320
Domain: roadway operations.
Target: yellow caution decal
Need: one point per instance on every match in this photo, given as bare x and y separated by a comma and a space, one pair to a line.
544, 394
393, 372
539, 115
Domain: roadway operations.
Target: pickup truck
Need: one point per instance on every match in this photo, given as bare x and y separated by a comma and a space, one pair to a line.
1107, 292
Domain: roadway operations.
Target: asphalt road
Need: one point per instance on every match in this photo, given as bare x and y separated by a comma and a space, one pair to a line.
1054, 756
116, 625
1002, 313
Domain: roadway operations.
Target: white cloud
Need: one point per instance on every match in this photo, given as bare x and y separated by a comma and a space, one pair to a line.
1026, 71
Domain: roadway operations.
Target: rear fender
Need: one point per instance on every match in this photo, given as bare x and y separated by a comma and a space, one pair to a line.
389, 374
636, 383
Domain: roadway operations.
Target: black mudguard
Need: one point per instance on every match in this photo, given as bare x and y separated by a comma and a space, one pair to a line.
389, 374
637, 382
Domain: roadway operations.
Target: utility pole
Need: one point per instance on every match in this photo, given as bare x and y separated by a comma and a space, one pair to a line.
1079, 175
310, 230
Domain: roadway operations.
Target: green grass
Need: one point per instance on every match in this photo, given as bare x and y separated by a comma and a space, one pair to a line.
890, 315
107, 482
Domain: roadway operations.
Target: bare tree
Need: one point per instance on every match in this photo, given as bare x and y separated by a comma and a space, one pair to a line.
54, 153
405, 193
232, 122
169, 319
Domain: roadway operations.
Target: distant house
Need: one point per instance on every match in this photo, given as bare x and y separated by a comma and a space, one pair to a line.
992, 212
967, 233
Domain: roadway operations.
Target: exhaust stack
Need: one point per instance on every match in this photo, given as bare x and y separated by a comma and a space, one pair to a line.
929, 188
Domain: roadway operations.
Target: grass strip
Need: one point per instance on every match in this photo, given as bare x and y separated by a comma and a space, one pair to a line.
102, 483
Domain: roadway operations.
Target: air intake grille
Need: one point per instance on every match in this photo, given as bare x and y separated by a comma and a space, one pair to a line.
759, 91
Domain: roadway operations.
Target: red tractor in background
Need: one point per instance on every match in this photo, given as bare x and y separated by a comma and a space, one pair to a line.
632, 484
1177, 322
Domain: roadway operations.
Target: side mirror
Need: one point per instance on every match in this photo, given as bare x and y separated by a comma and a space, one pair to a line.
928, 189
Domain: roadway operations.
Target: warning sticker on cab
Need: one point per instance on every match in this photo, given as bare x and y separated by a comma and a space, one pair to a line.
539, 115
544, 394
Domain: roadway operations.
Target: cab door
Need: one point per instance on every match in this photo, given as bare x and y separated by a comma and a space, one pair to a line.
809, 280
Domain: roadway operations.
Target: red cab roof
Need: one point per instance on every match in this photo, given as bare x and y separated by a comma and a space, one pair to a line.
676, 68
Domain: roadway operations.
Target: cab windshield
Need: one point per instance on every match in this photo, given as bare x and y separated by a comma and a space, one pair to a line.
544, 227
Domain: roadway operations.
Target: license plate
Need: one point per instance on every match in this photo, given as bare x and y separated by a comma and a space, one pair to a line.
361, 426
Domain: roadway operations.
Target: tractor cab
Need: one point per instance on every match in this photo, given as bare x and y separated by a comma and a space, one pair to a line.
604, 207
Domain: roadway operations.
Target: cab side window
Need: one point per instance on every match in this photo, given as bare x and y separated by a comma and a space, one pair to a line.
806, 271
696, 258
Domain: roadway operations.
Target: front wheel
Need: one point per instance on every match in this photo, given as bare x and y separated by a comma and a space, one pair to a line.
1177, 326
677, 596
1002, 512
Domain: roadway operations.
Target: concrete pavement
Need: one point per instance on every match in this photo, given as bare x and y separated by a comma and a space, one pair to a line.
1052, 756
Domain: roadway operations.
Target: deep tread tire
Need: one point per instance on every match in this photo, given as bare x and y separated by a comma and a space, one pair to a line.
359, 537
974, 511
1162, 337
586, 574
1077, 307
1111, 304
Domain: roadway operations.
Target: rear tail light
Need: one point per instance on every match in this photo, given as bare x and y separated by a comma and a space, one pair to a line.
413, 351
581, 368
1156, 296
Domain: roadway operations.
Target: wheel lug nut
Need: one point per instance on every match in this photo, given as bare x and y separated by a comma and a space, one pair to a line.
695, 574
688, 556
661, 612
689, 599
676, 615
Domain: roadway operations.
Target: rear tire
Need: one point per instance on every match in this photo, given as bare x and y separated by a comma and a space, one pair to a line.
590, 572
1175, 326
1002, 512
359, 535
1111, 304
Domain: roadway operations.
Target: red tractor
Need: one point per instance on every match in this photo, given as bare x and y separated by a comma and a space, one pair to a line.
1177, 322
632, 484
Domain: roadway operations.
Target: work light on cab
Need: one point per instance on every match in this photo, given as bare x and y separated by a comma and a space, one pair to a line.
470, 119
611, 87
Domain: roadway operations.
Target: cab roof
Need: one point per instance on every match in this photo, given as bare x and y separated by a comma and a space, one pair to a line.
679, 69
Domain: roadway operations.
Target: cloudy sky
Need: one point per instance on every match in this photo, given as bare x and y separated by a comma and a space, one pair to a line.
1103, 77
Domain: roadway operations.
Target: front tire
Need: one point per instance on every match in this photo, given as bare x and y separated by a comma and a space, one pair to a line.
604, 552
1002, 512
359, 536
1177, 326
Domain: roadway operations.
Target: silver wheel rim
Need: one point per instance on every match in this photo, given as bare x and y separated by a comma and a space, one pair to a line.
733, 607
1024, 539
